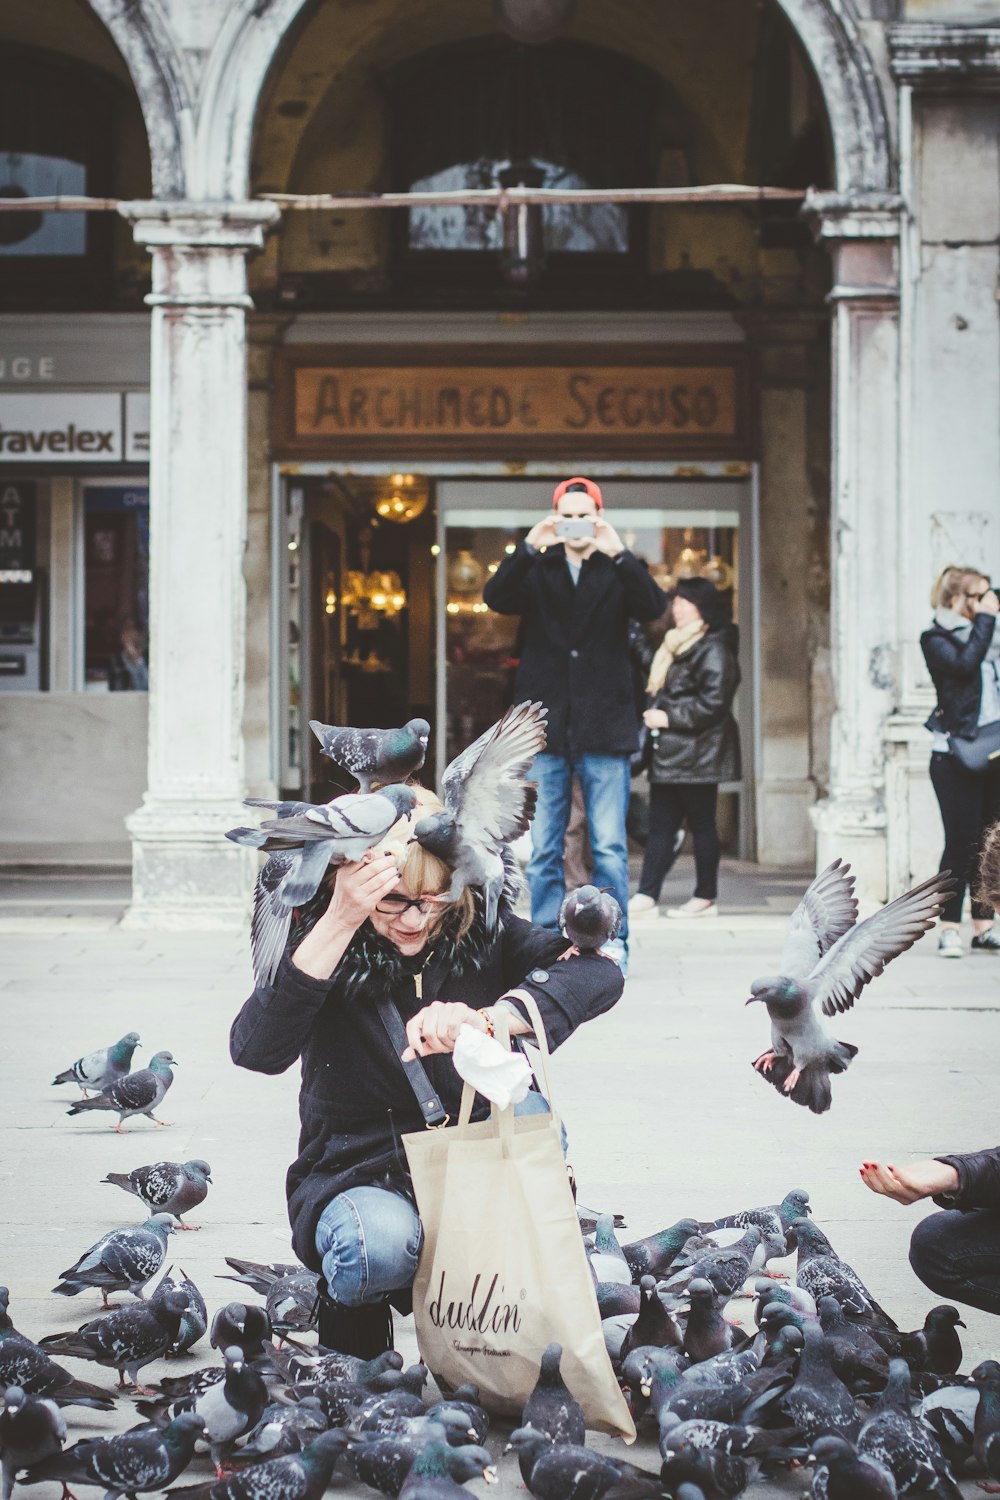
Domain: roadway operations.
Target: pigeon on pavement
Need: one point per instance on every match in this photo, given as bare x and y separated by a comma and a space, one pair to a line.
245, 1324
827, 961
24, 1364
773, 1220
229, 1407
440, 1471
655, 1254
986, 1430
375, 757
563, 1471
818, 1401
284, 1428
98, 1070
654, 1327
589, 918
126, 1338
936, 1346
706, 1332
169, 1187
30, 1430
821, 1272
903, 1444
842, 1473
137, 1094
194, 1320
858, 1358
552, 1408
290, 1292
487, 805
726, 1267
607, 1259
296, 1476
127, 1463
301, 848
122, 1260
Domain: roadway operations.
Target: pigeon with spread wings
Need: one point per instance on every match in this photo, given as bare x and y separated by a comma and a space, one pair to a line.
487, 804
301, 846
827, 961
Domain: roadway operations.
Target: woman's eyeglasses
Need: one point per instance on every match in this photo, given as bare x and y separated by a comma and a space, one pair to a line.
395, 906
976, 598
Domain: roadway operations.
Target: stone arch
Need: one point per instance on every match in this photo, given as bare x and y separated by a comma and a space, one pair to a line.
254, 30
142, 36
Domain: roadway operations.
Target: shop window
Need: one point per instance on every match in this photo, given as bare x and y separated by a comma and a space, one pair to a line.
116, 588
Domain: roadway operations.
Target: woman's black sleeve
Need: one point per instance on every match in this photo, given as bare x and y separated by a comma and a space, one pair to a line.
978, 1181
272, 1028
568, 991
945, 654
718, 677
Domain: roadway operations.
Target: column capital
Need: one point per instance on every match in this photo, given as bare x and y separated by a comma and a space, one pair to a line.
939, 55
853, 216
168, 223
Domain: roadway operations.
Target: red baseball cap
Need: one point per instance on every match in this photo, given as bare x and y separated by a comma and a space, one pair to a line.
593, 490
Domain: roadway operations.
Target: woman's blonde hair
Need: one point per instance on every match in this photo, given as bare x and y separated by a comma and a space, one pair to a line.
420, 871
951, 582
989, 868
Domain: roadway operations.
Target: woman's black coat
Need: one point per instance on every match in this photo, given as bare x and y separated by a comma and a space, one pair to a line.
701, 742
978, 1181
954, 664
355, 1099
574, 642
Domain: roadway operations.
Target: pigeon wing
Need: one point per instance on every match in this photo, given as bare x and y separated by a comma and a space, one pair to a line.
826, 912
484, 787
863, 952
135, 1091
271, 917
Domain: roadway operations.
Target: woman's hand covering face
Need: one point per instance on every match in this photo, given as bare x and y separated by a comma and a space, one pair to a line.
360, 887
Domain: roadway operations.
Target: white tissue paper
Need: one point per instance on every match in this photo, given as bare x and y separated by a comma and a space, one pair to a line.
502, 1077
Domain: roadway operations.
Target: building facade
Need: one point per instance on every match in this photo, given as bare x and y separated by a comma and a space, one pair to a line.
257, 460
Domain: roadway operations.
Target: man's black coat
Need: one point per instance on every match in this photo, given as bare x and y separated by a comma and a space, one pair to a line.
574, 642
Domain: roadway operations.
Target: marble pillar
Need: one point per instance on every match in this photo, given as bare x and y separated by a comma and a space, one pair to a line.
862, 232
186, 874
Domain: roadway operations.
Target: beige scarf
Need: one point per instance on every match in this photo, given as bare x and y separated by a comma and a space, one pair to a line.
674, 644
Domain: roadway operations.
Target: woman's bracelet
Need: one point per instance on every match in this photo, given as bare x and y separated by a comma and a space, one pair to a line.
488, 1018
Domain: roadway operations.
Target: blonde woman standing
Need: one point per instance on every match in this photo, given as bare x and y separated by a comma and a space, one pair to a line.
962, 652
692, 683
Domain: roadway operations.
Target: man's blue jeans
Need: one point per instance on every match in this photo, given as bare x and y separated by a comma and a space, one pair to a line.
369, 1238
605, 781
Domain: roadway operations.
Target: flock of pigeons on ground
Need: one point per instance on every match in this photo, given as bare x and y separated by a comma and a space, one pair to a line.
820, 1382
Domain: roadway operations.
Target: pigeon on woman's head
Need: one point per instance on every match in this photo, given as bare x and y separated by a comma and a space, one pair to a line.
375, 757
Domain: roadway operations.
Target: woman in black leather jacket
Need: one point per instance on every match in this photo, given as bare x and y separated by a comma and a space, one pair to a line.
962, 651
692, 682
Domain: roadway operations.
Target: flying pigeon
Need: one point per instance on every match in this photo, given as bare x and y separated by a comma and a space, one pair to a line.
487, 804
137, 1094
297, 1476
126, 1463
589, 918
30, 1430
168, 1187
194, 1319
375, 757
290, 1292
123, 1260
98, 1070
24, 1364
126, 1338
803, 1054
301, 848
552, 1408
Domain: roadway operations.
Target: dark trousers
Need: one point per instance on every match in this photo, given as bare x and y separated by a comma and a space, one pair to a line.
672, 803
958, 1256
969, 804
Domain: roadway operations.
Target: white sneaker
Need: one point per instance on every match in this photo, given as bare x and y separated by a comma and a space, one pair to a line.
642, 908
694, 908
950, 944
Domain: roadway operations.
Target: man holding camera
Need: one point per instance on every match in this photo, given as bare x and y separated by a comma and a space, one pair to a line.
576, 586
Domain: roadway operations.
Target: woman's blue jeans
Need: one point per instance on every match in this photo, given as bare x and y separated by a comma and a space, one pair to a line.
369, 1238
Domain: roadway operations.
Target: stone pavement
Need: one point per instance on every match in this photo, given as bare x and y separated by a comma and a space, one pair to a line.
665, 1114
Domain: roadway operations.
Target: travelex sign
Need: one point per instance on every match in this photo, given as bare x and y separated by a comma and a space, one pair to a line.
74, 427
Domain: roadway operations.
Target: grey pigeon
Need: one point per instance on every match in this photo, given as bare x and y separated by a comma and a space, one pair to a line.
284, 1428
936, 1346
245, 1324
487, 804
726, 1266
654, 1327
137, 1094
821, 1272
589, 918
98, 1070
842, 1473
440, 1471
296, 1476
788, 1295
701, 1471
563, 1471
290, 1292
772, 1220
706, 1332
375, 757
901, 1442
986, 1429
30, 1430
383, 1462
127, 1463
300, 849
194, 1320
950, 1413
169, 1187
331, 1366
552, 1408
818, 1401
24, 1364
122, 1260
803, 1054
655, 1253
125, 1339
229, 1408
858, 1358
607, 1259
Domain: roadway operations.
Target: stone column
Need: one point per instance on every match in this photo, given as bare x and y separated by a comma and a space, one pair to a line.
186, 874
862, 232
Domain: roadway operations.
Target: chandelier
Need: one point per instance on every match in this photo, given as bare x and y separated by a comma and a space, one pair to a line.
405, 499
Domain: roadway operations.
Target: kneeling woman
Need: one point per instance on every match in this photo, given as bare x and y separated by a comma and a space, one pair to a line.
386, 932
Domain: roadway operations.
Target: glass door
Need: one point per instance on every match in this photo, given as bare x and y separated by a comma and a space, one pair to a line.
680, 528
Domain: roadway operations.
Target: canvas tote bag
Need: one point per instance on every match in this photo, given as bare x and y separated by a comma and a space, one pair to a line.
503, 1270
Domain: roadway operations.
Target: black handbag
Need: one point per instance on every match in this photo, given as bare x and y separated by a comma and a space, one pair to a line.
979, 754
642, 758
